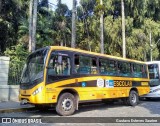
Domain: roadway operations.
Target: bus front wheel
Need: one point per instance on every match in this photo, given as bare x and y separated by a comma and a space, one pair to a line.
66, 104
133, 98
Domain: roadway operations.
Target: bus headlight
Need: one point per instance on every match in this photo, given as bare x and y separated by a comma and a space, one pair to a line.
37, 90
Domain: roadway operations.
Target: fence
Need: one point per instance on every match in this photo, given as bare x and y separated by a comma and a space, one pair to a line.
15, 70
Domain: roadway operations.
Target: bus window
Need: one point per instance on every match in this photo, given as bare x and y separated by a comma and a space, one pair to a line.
59, 65
103, 67
107, 67
144, 71
124, 69
76, 62
137, 70
85, 65
153, 71
93, 66
112, 67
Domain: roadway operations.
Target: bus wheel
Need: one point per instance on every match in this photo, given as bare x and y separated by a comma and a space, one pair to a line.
133, 98
66, 104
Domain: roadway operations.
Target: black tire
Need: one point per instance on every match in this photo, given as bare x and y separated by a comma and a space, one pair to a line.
133, 98
66, 104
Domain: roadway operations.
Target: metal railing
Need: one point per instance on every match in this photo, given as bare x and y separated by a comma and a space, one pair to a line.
14, 74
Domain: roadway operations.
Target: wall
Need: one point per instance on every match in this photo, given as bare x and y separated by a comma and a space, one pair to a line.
7, 92
4, 68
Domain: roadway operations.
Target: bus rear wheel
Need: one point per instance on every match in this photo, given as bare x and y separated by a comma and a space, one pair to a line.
133, 98
66, 104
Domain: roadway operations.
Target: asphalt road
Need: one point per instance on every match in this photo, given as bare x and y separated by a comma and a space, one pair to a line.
149, 108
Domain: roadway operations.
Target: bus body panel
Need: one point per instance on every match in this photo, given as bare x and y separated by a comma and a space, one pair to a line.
52, 91
33, 99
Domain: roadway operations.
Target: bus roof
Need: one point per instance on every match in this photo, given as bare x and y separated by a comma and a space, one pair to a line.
153, 62
93, 53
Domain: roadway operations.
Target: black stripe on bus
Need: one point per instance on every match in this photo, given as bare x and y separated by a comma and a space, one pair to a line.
53, 79
93, 83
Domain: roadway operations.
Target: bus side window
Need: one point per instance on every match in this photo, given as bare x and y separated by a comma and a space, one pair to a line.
120, 69
51, 65
59, 65
144, 71
76, 63
103, 66
82, 64
137, 70
107, 67
112, 67
93, 66
66, 66
85, 64
124, 69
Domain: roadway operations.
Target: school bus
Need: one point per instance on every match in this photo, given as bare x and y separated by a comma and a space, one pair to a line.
65, 77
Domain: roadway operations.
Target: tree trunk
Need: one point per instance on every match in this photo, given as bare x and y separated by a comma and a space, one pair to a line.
102, 31
30, 24
73, 24
123, 30
34, 25
0, 5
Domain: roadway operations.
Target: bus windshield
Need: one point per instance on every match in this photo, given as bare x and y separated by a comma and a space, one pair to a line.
153, 71
34, 67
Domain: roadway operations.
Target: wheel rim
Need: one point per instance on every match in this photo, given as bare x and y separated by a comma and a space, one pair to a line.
67, 104
133, 98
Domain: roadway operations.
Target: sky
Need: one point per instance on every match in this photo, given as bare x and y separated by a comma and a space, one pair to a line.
67, 2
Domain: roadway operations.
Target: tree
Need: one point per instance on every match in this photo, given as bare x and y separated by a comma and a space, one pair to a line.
73, 41
123, 30
11, 12
101, 28
32, 25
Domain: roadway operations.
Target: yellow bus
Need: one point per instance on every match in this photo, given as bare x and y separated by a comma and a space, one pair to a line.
65, 77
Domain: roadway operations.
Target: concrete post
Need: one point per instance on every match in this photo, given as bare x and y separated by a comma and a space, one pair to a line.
4, 69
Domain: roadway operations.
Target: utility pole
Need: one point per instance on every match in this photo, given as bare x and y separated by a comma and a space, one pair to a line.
73, 41
102, 30
123, 30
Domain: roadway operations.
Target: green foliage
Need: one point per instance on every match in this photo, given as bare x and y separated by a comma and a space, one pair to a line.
17, 53
54, 27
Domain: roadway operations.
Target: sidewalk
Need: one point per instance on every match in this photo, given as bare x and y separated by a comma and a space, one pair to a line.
13, 106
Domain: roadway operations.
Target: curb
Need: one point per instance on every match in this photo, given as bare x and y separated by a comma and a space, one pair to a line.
16, 110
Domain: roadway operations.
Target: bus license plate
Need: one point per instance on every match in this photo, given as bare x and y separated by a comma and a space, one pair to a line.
24, 101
